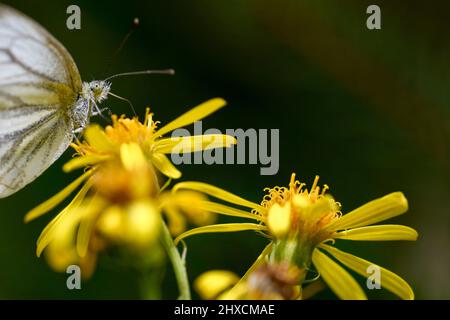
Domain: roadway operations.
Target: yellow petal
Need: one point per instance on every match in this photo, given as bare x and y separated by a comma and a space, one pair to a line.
132, 156
339, 280
212, 283
279, 219
388, 232
217, 193
226, 227
189, 203
97, 139
193, 143
87, 221
84, 161
163, 164
372, 212
47, 234
59, 256
228, 211
195, 114
56, 199
389, 280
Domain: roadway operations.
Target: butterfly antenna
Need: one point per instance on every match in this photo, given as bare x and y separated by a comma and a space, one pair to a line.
169, 72
133, 26
126, 100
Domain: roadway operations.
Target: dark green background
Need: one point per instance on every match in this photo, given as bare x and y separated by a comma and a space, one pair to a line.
367, 110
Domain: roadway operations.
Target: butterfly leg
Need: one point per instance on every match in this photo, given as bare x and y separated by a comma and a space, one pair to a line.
77, 133
78, 130
100, 112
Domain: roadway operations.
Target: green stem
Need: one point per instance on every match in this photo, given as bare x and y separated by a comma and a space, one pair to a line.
178, 265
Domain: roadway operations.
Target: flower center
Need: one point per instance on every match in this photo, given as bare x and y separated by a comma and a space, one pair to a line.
299, 212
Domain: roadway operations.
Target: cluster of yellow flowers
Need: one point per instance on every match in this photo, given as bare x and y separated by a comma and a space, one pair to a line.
123, 201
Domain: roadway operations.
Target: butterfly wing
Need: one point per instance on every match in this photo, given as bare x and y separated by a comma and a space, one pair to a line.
39, 84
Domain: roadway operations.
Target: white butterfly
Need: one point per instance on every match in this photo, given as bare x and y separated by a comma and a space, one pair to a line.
42, 99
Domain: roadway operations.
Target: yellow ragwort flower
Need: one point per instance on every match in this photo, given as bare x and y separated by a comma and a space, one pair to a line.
303, 224
120, 201
101, 145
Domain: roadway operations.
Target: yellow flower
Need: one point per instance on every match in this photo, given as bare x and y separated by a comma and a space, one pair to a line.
303, 225
120, 201
102, 145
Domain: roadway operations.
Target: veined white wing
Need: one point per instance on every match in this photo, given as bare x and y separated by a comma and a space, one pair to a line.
39, 84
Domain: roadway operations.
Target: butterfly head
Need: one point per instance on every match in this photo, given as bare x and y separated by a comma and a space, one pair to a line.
96, 90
